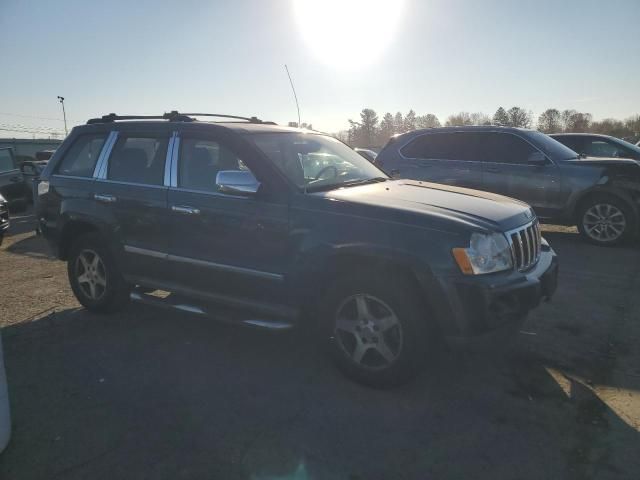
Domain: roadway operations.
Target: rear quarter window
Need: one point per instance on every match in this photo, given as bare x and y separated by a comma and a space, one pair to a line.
80, 160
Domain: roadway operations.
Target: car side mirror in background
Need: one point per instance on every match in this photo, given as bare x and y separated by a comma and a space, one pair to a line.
237, 182
537, 158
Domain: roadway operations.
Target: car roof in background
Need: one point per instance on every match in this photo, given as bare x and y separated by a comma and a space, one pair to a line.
468, 128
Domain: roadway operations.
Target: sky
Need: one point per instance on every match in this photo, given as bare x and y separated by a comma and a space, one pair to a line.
433, 56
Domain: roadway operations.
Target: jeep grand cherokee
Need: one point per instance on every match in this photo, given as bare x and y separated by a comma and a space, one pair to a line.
276, 227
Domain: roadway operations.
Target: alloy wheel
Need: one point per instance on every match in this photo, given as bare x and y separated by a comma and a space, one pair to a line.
368, 331
91, 274
604, 222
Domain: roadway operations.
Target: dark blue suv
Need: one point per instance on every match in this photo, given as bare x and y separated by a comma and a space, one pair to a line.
277, 227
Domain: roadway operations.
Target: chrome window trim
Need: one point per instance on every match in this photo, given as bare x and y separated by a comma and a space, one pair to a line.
100, 170
204, 263
74, 177
174, 161
214, 194
169, 160
119, 182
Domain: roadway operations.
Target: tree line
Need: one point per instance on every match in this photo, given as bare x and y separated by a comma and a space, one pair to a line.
371, 131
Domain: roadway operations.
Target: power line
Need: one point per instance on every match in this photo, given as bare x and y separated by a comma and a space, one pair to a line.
30, 116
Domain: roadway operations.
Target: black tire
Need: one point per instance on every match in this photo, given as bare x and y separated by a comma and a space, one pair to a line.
110, 297
603, 201
416, 326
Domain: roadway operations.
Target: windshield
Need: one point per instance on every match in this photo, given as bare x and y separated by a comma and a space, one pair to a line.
552, 147
316, 162
626, 144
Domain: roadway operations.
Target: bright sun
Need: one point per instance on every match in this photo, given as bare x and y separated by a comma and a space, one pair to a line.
347, 34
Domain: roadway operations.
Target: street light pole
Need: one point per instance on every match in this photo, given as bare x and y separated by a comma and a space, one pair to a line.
64, 114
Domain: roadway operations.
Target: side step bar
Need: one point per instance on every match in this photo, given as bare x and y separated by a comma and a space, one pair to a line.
216, 312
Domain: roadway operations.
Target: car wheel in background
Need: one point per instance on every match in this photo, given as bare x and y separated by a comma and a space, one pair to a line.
377, 327
94, 276
606, 220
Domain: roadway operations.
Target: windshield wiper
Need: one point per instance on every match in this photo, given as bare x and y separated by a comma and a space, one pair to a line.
352, 183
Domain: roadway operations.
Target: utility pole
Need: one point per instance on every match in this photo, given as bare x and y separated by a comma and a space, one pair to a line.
64, 114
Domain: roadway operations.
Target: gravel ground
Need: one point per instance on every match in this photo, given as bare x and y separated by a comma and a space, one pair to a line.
149, 393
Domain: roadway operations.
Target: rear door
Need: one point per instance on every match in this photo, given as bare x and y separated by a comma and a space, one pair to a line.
447, 158
509, 170
230, 245
130, 193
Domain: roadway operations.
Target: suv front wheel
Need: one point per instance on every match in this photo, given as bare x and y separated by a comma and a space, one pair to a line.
94, 277
606, 220
378, 329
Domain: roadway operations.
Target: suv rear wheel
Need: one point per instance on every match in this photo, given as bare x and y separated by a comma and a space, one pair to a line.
378, 330
606, 220
94, 277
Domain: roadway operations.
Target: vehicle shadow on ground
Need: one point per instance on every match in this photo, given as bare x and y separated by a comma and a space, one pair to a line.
32, 246
156, 394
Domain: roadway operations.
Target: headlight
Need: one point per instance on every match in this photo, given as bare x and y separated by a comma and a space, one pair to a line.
487, 253
43, 187
2, 199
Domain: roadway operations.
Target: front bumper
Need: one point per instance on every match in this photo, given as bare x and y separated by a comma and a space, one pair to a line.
487, 309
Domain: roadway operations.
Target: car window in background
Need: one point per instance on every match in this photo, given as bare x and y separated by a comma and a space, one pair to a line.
6, 160
551, 147
630, 150
315, 161
601, 148
201, 160
443, 146
80, 160
575, 143
138, 160
504, 148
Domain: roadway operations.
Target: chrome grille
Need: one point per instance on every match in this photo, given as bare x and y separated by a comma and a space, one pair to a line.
525, 245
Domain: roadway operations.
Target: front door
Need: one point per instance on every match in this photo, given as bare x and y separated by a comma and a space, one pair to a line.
447, 158
229, 245
509, 169
12, 185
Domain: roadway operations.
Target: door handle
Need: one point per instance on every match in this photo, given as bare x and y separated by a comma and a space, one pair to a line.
492, 169
14, 179
185, 209
425, 164
104, 198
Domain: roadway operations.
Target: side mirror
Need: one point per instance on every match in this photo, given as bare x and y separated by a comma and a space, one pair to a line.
237, 182
537, 158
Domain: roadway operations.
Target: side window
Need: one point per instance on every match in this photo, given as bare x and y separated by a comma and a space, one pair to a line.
80, 160
138, 159
434, 145
601, 148
200, 161
6, 160
505, 148
574, 143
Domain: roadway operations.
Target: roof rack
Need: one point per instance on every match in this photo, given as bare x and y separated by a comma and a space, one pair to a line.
172, 116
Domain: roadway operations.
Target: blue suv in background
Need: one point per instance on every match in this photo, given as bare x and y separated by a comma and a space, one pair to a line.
599, 195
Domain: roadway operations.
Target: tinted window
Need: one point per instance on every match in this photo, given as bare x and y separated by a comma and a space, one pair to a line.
551, 147
6, 160
602, 148
80, 160
504, 148
138, 160
201, 160
574, 143
443, 146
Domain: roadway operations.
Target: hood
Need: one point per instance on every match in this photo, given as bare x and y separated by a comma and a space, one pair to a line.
603, 161
462, 205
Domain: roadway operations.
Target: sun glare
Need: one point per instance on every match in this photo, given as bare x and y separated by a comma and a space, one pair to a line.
347, 34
